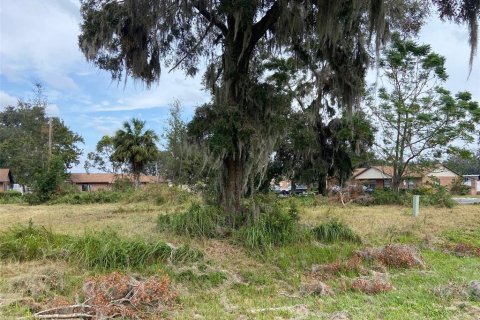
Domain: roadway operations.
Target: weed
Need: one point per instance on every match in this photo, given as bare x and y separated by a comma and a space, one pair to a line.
334, 231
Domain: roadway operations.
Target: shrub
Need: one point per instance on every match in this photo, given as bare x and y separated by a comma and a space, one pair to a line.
197, 221
458, 187
389, 197
334, 231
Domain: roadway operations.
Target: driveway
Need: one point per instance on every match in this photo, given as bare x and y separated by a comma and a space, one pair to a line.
467, 200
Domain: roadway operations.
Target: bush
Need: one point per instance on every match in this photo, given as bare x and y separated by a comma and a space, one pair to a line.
334, 231
196, 221
459, 188
389, 197
435, 195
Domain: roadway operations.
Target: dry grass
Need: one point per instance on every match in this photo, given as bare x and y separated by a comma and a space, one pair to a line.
257, 283
379, 222
128, 220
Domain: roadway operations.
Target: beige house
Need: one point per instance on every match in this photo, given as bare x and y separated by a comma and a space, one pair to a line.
381, 176
6, 180
105, 181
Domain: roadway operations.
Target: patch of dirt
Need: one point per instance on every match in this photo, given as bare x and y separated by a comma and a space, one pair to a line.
462, 249
371, 286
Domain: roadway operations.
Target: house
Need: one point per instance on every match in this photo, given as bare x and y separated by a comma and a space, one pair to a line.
98, 181
6, 180
381, 176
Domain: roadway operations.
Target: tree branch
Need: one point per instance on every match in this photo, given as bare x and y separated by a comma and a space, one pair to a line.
200, 6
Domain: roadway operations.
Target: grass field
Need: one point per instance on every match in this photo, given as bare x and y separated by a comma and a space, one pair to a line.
233, 283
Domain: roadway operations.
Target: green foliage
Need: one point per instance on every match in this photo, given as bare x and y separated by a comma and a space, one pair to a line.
134, 146
197, 221
203, 280
334, 231
22, 243
459, 188
435, 195
100, 196
94, 250
24, 139
11, 196
419, 118
274, 225
48, 181
106, 250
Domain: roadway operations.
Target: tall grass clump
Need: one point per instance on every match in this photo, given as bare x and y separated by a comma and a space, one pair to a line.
106, 250
28, 242
272, 225
196, 221
10, 197
334, 231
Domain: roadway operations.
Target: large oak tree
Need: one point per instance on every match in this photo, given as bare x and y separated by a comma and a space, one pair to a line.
134, 37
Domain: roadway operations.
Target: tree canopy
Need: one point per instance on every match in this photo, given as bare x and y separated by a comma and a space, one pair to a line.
417, 117
239, 129
24, 135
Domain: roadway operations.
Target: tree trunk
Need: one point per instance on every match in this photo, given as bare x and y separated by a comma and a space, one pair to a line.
232, 195
322, 186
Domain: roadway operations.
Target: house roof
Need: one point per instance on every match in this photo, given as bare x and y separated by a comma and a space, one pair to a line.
386, 172
108, 178
6, 175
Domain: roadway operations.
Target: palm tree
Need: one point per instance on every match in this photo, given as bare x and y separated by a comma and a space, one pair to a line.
135, 147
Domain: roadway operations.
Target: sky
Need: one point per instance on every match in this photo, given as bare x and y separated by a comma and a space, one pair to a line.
38, 43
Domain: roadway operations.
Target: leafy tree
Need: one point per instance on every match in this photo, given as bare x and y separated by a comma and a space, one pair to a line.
133, 37
181, 161
101, 159
417, 117
134, 146
24, 135
48, 182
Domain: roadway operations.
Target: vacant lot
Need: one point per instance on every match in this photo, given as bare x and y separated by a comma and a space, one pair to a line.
234, 283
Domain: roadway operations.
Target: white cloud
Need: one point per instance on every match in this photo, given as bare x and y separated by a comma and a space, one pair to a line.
39, 42
52, 110
188, 91
7, 100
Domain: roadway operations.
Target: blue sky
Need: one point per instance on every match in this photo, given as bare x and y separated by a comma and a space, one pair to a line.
38, 43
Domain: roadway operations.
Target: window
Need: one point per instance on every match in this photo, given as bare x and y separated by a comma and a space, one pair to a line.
387, 183
86, 187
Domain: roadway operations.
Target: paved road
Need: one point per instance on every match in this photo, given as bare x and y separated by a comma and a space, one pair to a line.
467, 200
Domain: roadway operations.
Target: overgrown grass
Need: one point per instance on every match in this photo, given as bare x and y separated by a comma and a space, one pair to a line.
334, 231
11, 197
104, 250
100, 196
197, 221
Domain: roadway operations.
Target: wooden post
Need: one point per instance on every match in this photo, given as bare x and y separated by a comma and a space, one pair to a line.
416, 205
